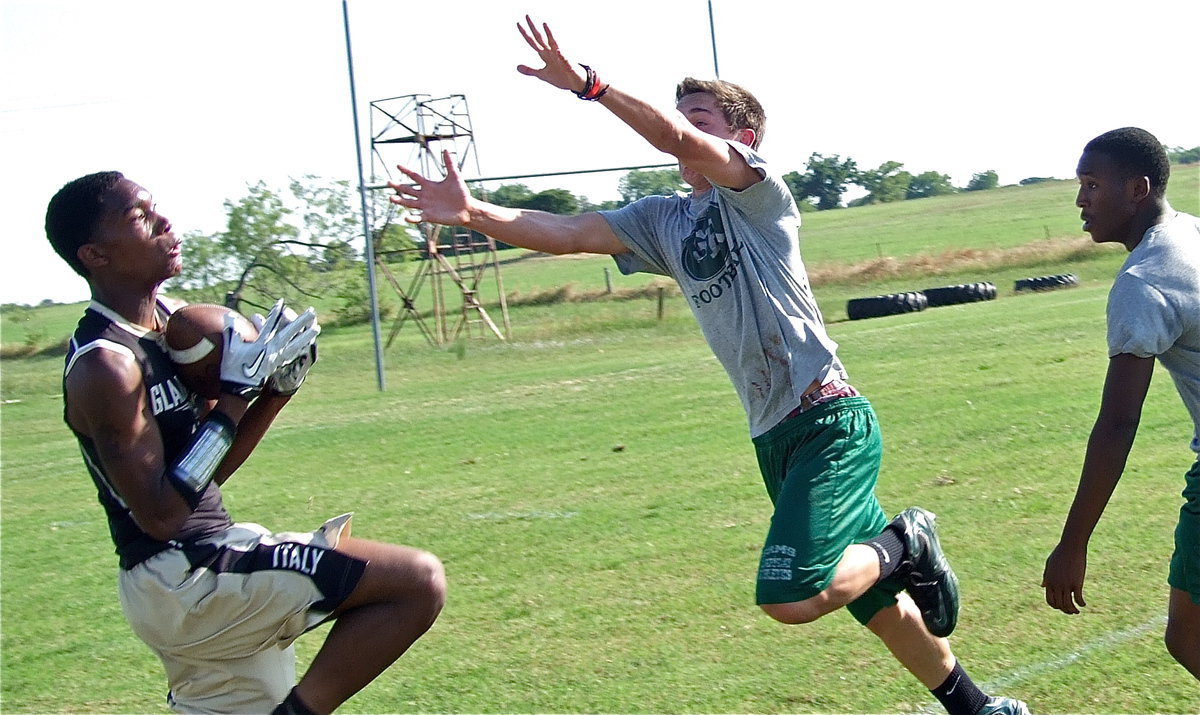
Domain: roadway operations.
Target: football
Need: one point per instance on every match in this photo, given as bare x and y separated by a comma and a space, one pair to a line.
195, 339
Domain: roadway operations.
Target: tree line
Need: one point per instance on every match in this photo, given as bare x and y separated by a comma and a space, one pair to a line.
296, 243
821, 186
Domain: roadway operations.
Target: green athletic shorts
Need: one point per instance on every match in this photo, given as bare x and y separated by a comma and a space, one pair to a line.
1185, 562
820, 469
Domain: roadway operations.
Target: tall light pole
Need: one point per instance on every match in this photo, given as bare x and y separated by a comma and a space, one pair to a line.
712, 32
369, 249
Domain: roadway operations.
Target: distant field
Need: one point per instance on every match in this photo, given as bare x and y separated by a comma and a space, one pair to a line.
592, 491
1001, 218
875, 239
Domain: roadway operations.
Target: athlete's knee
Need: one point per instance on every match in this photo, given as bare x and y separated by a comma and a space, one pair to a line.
1184, 646
430, 578
406, 576
796, 613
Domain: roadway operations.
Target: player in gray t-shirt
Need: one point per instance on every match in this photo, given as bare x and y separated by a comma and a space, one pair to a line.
732, 246
1153, 313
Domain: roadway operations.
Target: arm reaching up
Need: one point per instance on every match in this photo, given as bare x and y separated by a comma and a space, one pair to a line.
696, 132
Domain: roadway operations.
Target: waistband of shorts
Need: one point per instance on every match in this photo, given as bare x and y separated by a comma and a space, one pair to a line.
135, 553
194, 551
142, 550
786, 427
835, 389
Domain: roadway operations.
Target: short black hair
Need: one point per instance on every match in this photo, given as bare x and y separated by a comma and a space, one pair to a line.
1137, 153
74, 213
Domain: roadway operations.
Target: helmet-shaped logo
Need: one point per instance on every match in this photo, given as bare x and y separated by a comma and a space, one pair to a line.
706, 251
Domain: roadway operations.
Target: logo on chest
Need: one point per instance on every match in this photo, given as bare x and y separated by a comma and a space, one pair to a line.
168, 395
709, 256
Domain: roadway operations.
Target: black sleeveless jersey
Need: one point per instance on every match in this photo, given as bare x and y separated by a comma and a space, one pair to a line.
175, 408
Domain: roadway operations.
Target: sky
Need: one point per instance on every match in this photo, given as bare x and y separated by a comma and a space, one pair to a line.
196, 100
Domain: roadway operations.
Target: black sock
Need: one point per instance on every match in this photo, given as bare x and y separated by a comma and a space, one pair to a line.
889, 547
959, 694
292, 705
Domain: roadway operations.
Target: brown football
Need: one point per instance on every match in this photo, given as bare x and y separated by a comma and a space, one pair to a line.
195, 339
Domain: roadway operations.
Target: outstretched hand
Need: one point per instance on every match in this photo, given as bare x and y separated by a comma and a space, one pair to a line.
444, 202
558, 70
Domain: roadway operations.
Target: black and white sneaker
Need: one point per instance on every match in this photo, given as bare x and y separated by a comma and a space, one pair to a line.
1003, 706
926, 574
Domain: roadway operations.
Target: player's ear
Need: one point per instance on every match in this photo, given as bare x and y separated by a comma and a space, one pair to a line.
746, 136
1140, 187
91, 256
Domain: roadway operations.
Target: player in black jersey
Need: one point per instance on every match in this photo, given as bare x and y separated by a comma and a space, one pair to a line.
219, 602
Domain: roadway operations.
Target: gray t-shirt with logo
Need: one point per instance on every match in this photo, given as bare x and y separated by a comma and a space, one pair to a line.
1154, 306
736, 257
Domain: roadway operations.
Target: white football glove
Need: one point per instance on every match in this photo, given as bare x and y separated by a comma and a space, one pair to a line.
289, 377
246, 366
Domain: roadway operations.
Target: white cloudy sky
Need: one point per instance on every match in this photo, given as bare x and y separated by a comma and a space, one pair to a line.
196, 99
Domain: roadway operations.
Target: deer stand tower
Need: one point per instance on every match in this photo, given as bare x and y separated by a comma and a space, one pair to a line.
414, 130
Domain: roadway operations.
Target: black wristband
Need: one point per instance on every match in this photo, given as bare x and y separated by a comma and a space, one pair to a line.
197, 464
246, 392
592, 90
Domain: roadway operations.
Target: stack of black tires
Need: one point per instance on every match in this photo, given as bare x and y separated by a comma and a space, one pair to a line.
897, 303
962, 293
880, 305
1061, 280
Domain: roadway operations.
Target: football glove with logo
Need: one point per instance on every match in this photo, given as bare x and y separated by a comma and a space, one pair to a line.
246, 366
289, 377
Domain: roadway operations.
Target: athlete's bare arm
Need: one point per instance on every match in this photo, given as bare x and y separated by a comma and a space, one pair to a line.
108, 403
449, 203
1125, 389
668, 131
252, 427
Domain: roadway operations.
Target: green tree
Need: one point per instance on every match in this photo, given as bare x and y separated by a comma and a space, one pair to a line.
1179, 155
257, 234
330, 212
511, 195
824, 181
555, 201
275, 245
338, 256
205, 266
886, 184
641, 183
983, 181
396, 242
929, 183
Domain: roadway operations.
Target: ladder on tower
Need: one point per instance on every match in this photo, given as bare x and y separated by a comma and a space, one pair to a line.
424, 127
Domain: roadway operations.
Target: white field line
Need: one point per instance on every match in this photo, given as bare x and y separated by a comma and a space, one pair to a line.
1103, 643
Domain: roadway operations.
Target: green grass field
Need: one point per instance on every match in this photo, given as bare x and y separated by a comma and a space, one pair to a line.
591, 488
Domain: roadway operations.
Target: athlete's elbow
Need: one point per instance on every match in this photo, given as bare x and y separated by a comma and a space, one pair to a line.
162, 524
674, 139
559, 248
159, 531
1113, 428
